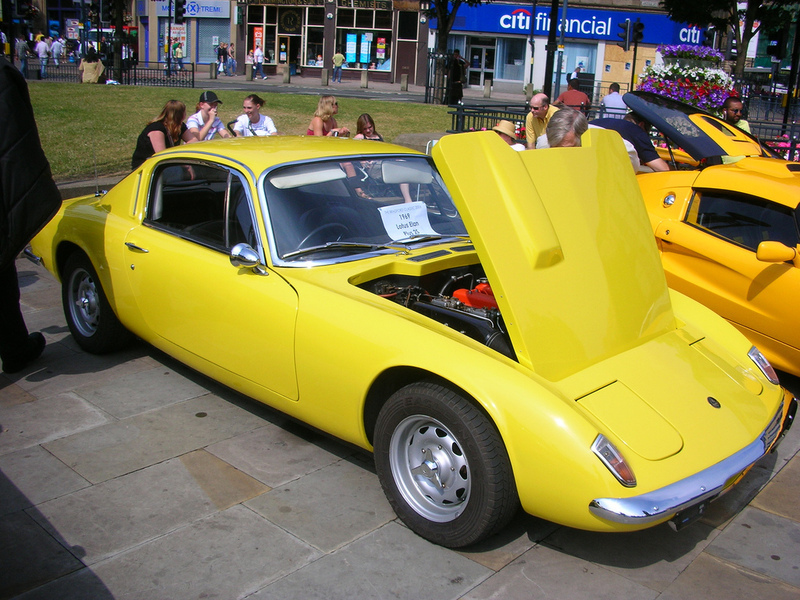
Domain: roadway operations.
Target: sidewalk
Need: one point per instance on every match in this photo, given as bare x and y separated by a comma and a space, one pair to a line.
129, 476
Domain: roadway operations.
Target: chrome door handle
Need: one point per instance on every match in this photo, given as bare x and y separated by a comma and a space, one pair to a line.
133, 246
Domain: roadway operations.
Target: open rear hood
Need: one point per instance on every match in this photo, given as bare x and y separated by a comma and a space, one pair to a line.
564, 238
700, 134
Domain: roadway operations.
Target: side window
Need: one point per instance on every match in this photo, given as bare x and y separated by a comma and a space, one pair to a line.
744, 220
204, 203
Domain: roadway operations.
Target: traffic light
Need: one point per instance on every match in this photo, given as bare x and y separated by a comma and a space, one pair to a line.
709, 37
638, 32
777, 44
105, 11
625, 35
180, 11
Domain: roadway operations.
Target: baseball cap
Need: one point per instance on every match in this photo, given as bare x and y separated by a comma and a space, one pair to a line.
209, 97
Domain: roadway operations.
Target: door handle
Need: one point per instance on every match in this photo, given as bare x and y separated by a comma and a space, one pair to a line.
133, 246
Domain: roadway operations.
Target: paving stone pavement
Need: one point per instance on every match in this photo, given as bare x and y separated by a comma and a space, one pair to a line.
129, 476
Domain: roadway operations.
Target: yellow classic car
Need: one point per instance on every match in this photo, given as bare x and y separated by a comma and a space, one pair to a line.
728, 231
499, 332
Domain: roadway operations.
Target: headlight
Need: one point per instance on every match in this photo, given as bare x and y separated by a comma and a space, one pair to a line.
763, 364
614, 461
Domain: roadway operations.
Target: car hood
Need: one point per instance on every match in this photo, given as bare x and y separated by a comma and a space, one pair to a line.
699, 133
564, 238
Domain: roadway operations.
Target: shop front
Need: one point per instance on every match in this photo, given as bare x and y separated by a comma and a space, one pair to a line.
302, 36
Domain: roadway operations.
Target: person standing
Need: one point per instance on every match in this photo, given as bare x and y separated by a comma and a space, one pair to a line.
43, 52
574, 98
612, 104
457, 77
338, 62
536, 120
205, 123
732, 110
222, 58
258, 62
28, 200
231, 60
177, 52
21, 51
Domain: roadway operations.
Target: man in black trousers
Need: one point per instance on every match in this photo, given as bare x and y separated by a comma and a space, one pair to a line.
28, 200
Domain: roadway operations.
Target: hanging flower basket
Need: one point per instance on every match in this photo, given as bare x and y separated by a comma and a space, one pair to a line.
691, 74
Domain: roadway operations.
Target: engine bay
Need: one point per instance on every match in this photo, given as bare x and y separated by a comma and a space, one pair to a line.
460, 298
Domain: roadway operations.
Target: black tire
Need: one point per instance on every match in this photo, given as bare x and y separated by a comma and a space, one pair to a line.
90, 317
443, 466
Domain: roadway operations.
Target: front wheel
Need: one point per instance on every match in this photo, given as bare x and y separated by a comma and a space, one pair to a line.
443, 466
90, 318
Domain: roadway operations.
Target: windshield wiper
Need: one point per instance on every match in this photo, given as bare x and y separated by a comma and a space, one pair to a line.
428, 237
343, 245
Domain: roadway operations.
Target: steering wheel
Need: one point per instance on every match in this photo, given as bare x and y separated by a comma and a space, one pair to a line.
343, 230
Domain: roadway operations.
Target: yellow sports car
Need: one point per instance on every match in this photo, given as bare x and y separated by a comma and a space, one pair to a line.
496, 329
728, 232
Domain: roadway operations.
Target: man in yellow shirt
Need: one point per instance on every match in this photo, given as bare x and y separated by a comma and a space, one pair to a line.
537, 119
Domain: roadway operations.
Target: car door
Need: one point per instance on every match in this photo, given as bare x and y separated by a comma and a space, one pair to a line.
711, 256
189, 293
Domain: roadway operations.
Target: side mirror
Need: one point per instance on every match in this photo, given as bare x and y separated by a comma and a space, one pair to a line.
775, 252
242, 255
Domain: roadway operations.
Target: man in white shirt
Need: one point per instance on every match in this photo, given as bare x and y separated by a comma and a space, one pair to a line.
613, 106
43, 52
258, 62
57, 49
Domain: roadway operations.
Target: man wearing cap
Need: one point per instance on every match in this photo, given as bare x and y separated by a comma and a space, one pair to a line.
205, 123
508, 133
537, 119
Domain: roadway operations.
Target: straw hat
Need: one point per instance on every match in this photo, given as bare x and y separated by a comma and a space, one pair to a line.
506, 127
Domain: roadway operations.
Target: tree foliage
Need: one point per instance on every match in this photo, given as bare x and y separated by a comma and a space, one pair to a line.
725, 15
445, 14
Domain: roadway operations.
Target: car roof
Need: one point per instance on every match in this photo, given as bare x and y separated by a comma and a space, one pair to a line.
700, 133
260, 153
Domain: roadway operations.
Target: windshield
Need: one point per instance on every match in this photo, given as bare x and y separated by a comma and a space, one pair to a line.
356, 205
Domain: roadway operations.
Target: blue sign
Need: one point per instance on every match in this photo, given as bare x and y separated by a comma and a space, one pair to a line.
197, 9
350, 48
581, 23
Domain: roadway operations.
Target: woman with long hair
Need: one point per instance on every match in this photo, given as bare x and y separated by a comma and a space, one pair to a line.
165, 131
365, 129
252, 122
324, 121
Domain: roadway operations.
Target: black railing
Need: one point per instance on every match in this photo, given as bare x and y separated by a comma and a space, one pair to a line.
479, 117
145, 74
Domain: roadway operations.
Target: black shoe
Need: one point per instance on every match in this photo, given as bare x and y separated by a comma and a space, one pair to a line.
33, 349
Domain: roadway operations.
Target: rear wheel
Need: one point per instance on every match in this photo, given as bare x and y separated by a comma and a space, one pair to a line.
443, 466
90, 317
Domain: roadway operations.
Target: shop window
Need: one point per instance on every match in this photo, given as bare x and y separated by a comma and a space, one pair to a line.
314, 38
383, 20
510, 63
345, 17
364, 19
406, 25
316, 16
255, 14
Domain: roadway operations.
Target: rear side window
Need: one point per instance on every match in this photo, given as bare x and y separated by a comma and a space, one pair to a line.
743, 220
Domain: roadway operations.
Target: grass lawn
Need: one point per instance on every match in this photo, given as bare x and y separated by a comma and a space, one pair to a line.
93, 128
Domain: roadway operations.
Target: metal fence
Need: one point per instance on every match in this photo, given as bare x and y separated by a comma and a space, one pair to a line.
477, 118
145, 74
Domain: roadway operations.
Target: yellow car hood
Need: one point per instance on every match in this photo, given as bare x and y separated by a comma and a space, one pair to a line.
566, 244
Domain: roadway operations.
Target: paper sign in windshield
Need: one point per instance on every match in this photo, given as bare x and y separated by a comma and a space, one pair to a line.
406, 220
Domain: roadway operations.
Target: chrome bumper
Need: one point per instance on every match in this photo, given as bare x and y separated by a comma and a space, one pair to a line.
666, 502
28, 253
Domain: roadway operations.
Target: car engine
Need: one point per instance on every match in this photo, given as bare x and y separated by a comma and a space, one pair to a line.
461, 299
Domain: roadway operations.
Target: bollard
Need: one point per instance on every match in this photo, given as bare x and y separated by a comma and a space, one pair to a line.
487, 88
248, 72
212, 70
528, 92
364, 77
404, 82
287, 74
324, 76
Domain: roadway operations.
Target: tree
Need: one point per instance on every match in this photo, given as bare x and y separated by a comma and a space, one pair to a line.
445, 14
724, 15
